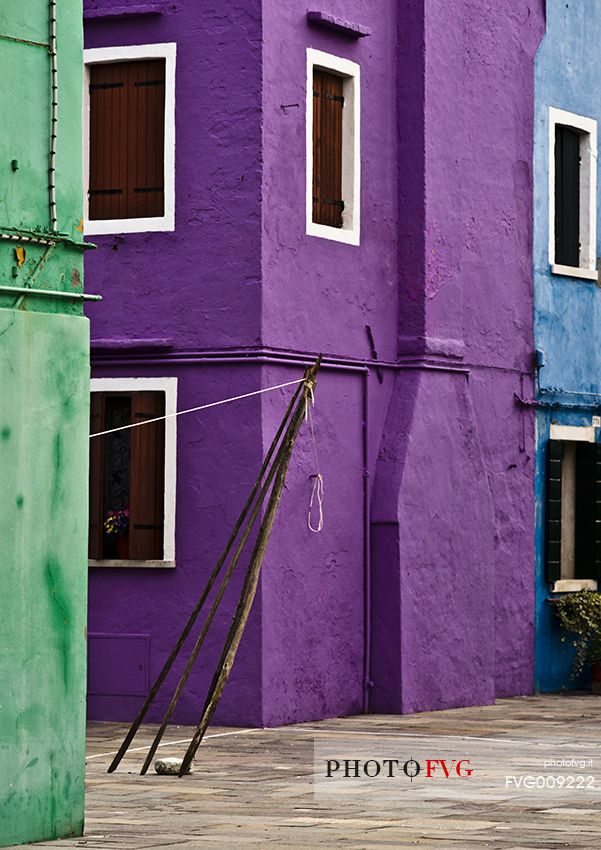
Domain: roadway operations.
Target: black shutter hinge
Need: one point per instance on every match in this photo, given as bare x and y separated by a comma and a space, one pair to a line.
105, 191
329, 202
95, 86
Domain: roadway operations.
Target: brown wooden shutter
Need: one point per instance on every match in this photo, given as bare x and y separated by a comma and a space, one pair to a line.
147, 486
96, 477
328, 103
127, 121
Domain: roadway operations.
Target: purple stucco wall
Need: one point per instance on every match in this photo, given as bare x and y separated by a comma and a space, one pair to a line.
453, 502
197, 288
428, 602
318, 295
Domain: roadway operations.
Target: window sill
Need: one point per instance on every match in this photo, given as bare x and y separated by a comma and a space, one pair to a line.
572, 271
571, 585
133, 564
116, 226
350, 236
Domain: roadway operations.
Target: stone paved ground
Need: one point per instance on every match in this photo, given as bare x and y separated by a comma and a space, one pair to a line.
253, 788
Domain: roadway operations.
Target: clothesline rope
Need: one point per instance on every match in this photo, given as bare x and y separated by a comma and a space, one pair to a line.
200, 407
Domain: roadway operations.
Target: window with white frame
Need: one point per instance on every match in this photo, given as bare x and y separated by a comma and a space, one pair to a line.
130, 138
572, 194
573, 508
132, 472
333, 148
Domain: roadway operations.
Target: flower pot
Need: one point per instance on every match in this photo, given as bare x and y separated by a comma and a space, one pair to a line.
596, 671
122, 543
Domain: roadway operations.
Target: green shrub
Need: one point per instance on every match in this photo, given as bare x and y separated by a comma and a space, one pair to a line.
580, 614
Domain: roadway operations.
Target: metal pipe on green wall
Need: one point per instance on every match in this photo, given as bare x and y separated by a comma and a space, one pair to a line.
47, 239
36, 240
49, 293
24, 41
53, 120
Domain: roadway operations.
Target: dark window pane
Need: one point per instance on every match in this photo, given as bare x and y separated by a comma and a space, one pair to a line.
117, 466
588, 511
567, 196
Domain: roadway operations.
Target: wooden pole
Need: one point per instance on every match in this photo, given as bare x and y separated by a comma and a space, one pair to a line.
212, 578
252, 577
222, 588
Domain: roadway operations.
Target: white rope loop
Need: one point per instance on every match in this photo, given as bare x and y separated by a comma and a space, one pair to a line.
316, 493
318, 482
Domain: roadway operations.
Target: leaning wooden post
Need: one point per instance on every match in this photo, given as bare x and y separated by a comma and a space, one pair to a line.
252, 578
212, 578
220, 592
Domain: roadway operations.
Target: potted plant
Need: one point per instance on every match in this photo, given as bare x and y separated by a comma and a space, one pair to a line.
116, 525
580, 614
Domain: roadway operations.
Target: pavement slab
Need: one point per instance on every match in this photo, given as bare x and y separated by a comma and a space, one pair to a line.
255, 788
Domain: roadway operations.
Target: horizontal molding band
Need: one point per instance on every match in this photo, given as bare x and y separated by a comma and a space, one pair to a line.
118, 354
158, 344
540, 404
124, 11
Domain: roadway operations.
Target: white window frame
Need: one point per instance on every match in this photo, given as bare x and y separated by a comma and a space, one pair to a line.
103, 55
573, 434
351, 147
587, 127
169, 387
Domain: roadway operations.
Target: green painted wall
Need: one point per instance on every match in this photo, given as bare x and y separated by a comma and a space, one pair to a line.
25, 100
44, 396
43, 528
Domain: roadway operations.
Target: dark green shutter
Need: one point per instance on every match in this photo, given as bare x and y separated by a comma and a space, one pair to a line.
597, 561
553, 518
588, 511
567, 196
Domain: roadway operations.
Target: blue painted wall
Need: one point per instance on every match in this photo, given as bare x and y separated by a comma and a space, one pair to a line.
567, 311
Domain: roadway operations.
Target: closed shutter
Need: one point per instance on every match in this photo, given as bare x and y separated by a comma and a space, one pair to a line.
96, 480
588, 511
553, 518
596, 571
328, 103
567, 196
147, 478
127, 125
